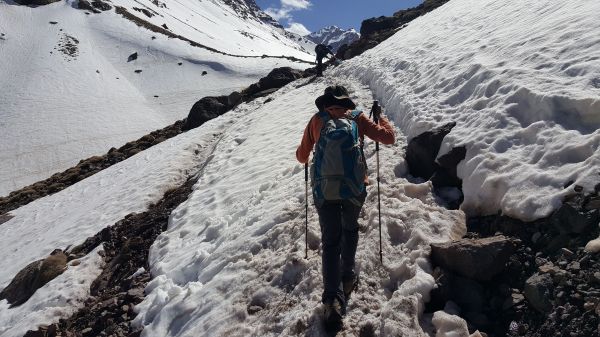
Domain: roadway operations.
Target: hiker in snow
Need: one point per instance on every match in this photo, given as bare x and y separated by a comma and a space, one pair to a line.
338, 175
322, 51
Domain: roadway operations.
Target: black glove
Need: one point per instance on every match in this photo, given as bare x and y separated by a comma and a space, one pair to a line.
377, 112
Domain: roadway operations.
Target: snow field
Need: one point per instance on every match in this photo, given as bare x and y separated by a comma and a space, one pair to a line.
232, 261
56, 109
59, 298
521, 80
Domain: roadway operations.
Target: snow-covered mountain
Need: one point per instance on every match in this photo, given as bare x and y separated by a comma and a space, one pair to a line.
70, 87
520, 79
334, 36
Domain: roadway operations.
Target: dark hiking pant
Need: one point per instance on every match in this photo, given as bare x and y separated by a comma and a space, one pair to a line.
339, 238
319, 66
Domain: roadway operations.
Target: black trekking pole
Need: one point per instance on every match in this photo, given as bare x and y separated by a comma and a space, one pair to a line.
306, 208
376, 119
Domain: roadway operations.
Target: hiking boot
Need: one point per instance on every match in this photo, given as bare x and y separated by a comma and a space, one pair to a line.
349, 286
333, 316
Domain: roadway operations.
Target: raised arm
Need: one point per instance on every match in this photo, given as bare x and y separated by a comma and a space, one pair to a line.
308, 141
382, 132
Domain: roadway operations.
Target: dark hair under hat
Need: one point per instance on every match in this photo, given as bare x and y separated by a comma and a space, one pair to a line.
335, 95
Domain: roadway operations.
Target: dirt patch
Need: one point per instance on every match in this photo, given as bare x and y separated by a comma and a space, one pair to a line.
68, 46
5, 217
120, 286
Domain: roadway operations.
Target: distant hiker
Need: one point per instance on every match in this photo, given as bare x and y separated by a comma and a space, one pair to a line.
338, 174
322, 51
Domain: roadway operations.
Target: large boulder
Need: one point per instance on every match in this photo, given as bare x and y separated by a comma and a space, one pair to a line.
279, 77
372, 25
206, 109
34, 276
423, 149
477, 259
276, 79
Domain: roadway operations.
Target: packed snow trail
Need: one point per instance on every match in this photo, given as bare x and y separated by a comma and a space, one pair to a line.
231, 262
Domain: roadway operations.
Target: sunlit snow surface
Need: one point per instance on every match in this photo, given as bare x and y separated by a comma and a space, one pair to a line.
57, 108
522, 82
232, 260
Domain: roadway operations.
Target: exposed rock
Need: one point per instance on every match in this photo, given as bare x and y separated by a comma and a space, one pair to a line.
132, 57
234, 99
35, 2
34, 276
538, 291
372, 25
477, 259
468, 294
277, 78
103, 6
569, 219
204, 72
445, 174
206, 109
164, 25
423, 149
86, 5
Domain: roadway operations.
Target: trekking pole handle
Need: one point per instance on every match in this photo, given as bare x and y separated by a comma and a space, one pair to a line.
375, 116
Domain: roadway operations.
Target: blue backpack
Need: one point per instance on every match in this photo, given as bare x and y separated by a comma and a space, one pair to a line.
339, 168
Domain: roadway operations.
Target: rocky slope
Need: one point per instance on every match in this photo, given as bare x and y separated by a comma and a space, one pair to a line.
375, 30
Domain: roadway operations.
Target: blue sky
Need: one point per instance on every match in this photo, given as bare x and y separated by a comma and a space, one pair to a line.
303, 16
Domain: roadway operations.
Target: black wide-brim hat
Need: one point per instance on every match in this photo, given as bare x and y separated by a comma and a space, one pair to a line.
335, 95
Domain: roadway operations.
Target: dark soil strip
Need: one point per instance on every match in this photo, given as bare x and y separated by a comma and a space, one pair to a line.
109, 309
84, 169
143, 23
4, 218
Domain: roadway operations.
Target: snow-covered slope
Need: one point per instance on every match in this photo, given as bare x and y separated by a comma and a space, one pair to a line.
68, 91
334, 36
522, 81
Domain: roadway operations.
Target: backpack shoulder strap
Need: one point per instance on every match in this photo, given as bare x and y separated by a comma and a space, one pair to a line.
354, 114
324, 116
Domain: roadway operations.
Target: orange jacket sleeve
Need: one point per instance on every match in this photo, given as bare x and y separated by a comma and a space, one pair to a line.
382, 132
310, 137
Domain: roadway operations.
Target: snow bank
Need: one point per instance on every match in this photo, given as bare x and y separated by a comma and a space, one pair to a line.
522, 81
231, 262
59, 298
